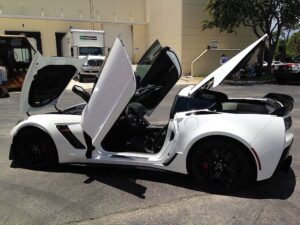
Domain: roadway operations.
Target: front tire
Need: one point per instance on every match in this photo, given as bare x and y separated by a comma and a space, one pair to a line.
35, 149
221, 165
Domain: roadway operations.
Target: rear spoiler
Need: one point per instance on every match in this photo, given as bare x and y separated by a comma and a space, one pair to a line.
286, 101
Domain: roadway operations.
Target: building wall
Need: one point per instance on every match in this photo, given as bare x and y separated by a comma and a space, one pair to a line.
139, 41
46, 28
176, 23
209, 61
164, 23
49, 19
195, 40
121, 10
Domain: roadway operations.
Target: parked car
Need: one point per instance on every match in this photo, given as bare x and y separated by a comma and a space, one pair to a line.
273, 66
225, 143
288, 72
274, 63
296, 59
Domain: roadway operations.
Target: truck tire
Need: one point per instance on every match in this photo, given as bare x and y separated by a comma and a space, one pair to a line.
80, 78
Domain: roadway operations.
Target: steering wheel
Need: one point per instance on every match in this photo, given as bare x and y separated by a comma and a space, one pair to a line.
145, 91
135, 117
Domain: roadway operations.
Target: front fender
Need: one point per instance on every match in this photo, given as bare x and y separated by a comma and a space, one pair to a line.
48, 123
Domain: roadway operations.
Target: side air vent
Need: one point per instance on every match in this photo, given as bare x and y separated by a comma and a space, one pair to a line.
66, 132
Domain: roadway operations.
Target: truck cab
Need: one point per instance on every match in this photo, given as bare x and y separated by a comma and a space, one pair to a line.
85, 43
95, 56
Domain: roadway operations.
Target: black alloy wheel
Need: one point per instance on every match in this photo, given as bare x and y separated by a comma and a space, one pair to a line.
222, 166
35, 149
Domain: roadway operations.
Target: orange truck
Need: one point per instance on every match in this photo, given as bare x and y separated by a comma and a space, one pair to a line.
16, 54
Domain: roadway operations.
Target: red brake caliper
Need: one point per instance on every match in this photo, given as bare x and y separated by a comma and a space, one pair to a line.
205, 166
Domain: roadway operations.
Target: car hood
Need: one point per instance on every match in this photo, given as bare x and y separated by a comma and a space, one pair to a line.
229, 68
45, 81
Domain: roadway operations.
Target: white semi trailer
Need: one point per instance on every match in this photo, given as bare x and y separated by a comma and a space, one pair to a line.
81, 43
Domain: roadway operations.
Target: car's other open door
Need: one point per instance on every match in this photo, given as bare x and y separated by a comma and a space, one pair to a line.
157, 72
112, 92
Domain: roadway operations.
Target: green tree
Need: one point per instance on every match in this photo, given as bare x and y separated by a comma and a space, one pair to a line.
293, 45
280, 53
262, 16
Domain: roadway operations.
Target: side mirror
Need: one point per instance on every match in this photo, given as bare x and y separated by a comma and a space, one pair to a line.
81, 92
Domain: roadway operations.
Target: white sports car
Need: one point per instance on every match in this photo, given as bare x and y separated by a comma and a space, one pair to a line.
225, 143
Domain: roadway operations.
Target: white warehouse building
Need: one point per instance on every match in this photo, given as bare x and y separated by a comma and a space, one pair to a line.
176, 23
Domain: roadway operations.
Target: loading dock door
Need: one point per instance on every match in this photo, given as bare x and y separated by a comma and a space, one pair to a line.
124, 32
58, 37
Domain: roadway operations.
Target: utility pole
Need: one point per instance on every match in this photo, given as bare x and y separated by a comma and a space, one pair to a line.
92, 14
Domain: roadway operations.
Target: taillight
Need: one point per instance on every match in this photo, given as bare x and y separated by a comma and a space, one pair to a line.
292, 67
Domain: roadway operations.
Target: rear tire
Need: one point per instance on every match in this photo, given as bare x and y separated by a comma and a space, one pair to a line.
35, 149
221, 166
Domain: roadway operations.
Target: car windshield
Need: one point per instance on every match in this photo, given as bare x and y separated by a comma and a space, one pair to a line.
91, 51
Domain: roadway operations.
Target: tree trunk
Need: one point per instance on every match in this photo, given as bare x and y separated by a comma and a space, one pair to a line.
269, 66
260, 59
272, 46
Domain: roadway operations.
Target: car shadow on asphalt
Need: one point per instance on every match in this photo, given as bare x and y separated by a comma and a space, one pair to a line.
281, 186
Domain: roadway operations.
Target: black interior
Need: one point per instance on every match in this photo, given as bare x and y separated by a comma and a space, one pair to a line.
49, 83
219, 102
183, 104
134, 133
202, 99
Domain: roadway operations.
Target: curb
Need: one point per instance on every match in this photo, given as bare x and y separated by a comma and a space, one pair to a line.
249, 83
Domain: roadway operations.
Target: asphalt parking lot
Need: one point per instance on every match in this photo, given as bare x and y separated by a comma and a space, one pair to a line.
101, 195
